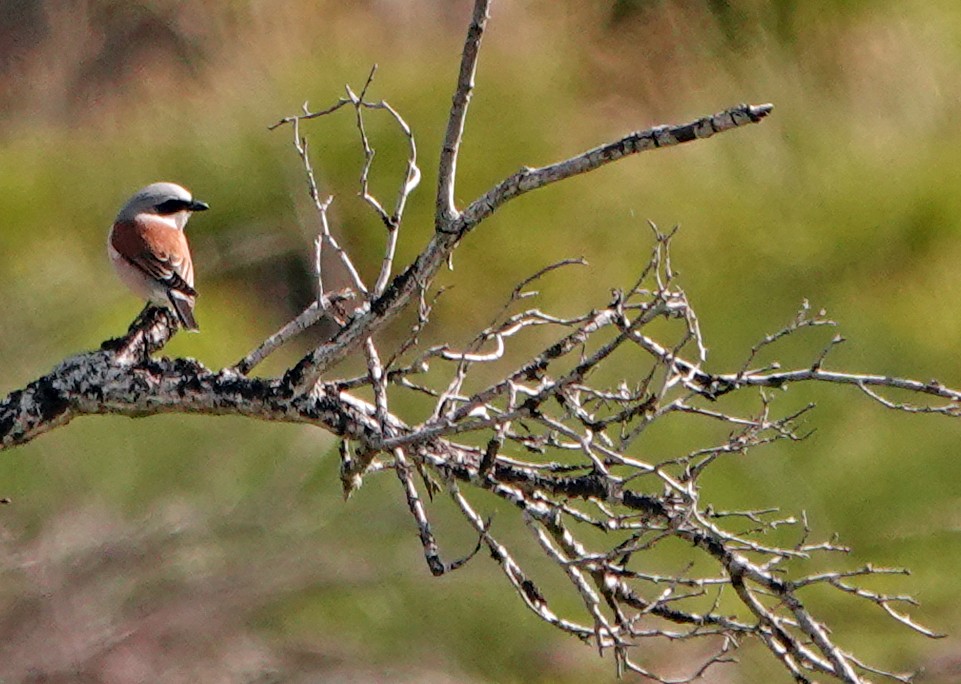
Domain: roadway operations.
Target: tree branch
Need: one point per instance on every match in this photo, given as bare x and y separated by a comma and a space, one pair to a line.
445, 209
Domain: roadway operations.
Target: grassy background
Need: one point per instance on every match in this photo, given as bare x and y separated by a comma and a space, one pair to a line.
200, 549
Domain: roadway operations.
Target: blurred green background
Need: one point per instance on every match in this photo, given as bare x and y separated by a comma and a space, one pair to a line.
216, 549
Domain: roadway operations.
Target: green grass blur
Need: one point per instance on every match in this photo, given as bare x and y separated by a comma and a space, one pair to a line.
847, 196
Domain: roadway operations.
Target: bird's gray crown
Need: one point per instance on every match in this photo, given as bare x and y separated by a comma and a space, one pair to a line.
152, 198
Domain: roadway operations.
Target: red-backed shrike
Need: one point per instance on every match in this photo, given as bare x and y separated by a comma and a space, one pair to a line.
149, 250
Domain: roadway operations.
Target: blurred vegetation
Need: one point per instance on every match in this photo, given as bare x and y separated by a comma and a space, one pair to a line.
846, 196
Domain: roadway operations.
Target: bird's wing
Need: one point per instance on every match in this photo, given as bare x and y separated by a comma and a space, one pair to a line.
158, 250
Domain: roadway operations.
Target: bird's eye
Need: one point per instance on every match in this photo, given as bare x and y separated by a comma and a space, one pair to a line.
171, 206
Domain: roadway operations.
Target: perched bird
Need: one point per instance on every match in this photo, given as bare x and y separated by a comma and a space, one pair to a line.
149, 250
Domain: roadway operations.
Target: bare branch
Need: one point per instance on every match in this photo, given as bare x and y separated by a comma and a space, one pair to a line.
528, 179
326, 305
300, 144
447, 168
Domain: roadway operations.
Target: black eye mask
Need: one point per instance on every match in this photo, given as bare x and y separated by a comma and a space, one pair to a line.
172, 206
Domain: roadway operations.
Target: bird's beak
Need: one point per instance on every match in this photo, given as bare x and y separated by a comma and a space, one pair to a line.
197, 205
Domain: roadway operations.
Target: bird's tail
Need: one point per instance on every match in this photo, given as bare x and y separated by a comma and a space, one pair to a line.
184, 308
